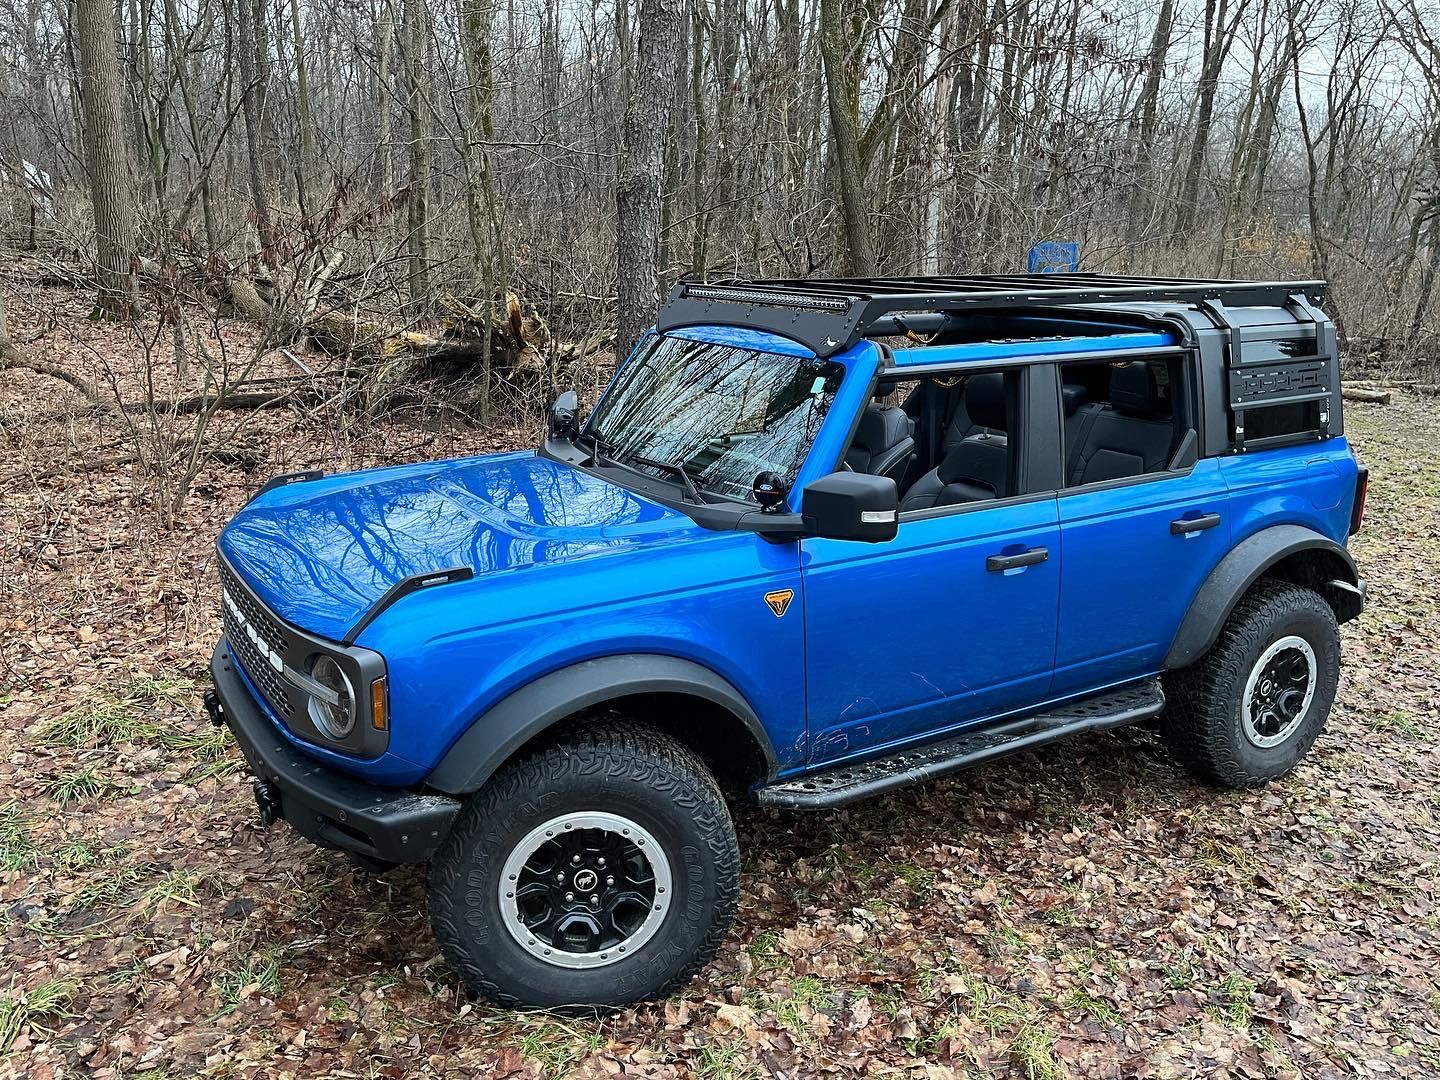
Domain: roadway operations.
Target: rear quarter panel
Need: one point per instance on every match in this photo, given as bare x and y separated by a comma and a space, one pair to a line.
1311, 484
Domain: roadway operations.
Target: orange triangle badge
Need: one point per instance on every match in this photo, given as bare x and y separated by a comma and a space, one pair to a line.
779, 600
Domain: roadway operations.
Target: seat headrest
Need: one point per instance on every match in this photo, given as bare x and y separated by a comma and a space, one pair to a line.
1133, 390
881, 427
980, 460
1072, 396
985, 400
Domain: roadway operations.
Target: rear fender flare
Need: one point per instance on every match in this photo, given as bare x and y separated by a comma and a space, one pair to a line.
527, 712
1240, 569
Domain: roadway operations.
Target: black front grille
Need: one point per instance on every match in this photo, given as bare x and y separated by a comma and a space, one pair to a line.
271, 684
256, 666
255, 614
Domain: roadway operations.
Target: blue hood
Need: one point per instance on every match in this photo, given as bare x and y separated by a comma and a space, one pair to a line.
320, 553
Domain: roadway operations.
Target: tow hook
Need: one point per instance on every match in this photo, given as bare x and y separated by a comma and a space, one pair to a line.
267, 801
213, 709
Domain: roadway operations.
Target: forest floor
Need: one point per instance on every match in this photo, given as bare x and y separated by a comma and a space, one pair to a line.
1082, 911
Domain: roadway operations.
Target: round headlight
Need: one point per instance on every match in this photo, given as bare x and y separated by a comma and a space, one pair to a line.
335, 719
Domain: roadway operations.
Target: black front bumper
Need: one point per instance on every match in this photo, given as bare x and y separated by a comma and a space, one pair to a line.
326, 806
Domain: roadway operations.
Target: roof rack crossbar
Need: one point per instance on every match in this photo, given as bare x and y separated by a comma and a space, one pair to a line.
828, 315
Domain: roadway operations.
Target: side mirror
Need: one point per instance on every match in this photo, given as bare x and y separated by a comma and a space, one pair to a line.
852, 506
564, 416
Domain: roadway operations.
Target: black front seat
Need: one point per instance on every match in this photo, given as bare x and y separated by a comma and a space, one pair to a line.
979, 466
883, 443
1130, 436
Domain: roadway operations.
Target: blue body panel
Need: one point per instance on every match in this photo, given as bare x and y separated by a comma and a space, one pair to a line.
915, 636
883, 645
1127, 579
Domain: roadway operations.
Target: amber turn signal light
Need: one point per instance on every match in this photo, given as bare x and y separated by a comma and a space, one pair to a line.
379, 718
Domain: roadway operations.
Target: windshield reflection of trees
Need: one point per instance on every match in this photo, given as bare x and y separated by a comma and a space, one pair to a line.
488, 518
678, 402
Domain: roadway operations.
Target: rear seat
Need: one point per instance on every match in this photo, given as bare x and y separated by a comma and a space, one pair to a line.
1129, 436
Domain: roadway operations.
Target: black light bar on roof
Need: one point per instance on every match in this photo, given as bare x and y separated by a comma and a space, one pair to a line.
730, 294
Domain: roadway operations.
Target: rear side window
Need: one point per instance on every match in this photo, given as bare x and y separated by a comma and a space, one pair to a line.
1121, 420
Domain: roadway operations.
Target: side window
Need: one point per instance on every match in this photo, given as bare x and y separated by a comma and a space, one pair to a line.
958, 432
1122, 419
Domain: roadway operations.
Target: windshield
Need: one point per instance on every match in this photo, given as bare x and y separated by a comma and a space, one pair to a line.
720, 412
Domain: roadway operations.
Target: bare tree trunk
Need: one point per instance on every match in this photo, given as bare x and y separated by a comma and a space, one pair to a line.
842, 96
699, 109
637, 199
1142, 198
382, 167
475, 16
107, 157
413, 40
255, 81
308, 162
1219, 35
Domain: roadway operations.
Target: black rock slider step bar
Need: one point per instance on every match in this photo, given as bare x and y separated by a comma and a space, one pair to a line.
847, 783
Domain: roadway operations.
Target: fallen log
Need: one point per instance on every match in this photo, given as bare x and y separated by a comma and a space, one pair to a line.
12, 358
1359, 393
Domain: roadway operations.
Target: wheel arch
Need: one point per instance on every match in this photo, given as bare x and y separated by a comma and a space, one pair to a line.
680, 697
1291, 553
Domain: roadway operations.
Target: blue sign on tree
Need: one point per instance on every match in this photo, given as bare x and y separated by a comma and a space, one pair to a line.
1054, 257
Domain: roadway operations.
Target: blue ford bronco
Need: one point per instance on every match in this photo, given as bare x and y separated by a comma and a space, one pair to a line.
817, 540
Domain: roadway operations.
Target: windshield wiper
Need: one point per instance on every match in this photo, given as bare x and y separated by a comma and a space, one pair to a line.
604, 452
678, 470
601, 449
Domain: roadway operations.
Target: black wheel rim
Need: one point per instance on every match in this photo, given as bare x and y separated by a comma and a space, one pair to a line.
585, 890
1279, 691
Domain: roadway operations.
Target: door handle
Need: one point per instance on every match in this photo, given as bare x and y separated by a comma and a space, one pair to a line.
998, 564
1187, 526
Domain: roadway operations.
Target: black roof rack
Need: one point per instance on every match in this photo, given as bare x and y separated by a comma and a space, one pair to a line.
829, 315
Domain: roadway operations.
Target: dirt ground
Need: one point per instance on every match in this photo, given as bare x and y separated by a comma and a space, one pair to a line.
1083, 911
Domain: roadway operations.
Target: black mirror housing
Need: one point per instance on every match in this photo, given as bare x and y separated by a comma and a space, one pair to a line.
564, 416
852, 506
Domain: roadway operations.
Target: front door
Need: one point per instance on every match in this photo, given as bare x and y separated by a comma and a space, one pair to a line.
952, 621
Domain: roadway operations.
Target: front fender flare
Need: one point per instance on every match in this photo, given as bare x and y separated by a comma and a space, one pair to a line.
513, 721
1240, 569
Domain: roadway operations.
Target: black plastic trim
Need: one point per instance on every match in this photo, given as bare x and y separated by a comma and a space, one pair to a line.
494, 736
326, 806
403, 588
927, 512
285, 480
903, 372
851, 781
1357, 500
1240, 569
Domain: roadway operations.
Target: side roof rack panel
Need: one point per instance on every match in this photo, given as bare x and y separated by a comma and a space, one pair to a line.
828, 315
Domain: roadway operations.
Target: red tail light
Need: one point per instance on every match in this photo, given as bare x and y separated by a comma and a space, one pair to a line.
1357, 508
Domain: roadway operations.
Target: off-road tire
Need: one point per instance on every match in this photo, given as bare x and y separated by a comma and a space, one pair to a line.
618, 768
1203, 724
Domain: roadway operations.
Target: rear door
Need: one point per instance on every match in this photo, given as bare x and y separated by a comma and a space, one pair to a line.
1135, 551
951, 622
